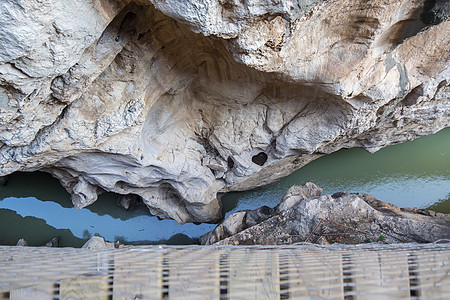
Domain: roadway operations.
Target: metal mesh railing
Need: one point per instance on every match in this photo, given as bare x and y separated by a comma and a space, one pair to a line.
372, 271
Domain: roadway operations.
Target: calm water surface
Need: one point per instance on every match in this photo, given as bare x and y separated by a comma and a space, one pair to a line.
413, 174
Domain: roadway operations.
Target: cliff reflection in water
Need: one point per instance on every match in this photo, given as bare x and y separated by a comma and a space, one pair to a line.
413, 174
50, 213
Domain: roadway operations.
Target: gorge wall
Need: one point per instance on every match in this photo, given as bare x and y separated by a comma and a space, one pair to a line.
176, 101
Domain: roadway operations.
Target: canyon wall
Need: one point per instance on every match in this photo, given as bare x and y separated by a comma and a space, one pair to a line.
177, 101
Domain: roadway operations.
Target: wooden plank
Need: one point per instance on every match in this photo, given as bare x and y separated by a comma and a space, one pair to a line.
194, 274
137, 275
32, 266
313, 274
433, 272
89, 287
95, 284
253, 274
380, 274
44, 291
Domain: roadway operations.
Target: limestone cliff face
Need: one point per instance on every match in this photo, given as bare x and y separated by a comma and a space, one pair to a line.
176, 101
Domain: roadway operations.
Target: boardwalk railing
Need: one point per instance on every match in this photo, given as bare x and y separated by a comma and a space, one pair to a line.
372, 271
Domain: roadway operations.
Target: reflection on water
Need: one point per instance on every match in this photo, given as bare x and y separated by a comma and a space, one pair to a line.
442, 205
34, 230
413, 174
50, 213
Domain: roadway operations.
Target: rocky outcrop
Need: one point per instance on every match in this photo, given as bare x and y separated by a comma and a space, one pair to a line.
54, 242
97, 242
22, 242
177, 101
244, 219
305, 216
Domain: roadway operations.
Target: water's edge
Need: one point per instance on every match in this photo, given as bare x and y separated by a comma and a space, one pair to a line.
35, 207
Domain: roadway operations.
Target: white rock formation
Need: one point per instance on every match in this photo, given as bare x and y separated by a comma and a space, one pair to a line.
173, 100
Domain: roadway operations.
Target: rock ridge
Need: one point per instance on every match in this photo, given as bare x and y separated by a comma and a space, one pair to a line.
303, 215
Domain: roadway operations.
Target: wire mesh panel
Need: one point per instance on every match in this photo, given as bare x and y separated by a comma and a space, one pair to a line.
253, 274
313, 274
416, 271
378, 274
137, 274
431, 275
193, 274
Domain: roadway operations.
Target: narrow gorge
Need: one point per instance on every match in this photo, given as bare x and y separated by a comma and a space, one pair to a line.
177, 101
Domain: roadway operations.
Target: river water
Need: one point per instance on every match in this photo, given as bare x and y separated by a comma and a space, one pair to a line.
414, 174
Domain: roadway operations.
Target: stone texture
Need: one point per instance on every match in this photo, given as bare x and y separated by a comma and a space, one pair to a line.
298, 193
22, 242
129, 202
236, 223
97, 242
242, 220
54, 242
340, 218
172, 101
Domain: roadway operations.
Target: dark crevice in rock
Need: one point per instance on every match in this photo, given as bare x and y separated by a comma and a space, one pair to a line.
230, 162
435, 12
210, 150
413, 97
443, 85
259, 158
338, 195
129, 202
431, 13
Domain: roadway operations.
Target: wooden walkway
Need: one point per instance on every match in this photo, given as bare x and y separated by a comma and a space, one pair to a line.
208, 272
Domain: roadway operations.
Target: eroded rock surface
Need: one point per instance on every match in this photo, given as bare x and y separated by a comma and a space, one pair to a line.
242, 220
176, 101
305, 216
97, 242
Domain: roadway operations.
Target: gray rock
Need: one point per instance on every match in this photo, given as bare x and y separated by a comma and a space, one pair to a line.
177, 101
298, 193
236, 223
256, 216
95, 242
54, 242
22, 242
341, 218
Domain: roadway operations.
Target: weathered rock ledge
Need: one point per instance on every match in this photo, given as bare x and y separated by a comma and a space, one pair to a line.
303, 215
176, 101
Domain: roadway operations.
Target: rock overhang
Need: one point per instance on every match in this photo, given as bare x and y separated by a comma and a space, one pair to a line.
148, 107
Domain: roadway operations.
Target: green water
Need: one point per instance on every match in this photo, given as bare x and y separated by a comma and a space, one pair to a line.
411, 174
414, 174
36, 207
